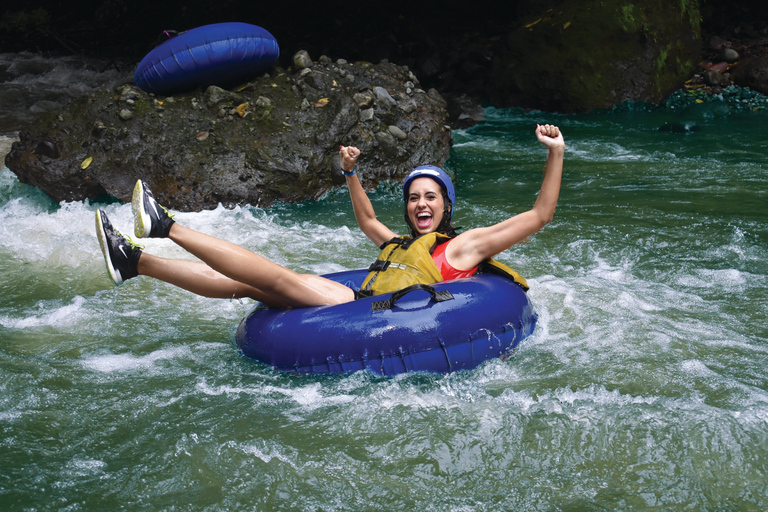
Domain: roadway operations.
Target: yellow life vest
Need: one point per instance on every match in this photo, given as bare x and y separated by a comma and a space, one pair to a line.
407, 261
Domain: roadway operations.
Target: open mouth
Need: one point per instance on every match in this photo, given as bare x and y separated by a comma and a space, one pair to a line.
423, 220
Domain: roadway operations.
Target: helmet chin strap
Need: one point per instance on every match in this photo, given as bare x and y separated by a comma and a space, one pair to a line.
446, 220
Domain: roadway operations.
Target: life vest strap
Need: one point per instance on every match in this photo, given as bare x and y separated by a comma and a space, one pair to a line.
437, 296
397, 241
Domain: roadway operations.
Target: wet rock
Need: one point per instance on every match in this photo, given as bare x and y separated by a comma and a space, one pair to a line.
367, 114
274, 139
714, 77
98, 129
397, 132
388, 143
716, 42
588, 54
437, 97
728, 55
384, 97
363, 99
301, 60
47, 148
753, 73
464, 111
129, 93
215, 95
408, 106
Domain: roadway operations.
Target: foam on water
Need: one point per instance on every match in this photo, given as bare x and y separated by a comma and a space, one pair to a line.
115, 363
46, 316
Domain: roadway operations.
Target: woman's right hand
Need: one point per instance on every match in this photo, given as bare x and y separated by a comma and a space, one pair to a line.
347, 157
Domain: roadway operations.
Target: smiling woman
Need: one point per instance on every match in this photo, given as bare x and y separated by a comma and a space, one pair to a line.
425, 205
429, 183
467, 321
429, 201
228, 271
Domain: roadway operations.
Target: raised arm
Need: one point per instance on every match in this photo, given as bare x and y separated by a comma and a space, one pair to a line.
364, 213
473, 246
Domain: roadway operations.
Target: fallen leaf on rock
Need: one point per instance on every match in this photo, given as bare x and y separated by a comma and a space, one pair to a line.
201, 136
321, 102
86, 162
532, 23
241, 108
720, 67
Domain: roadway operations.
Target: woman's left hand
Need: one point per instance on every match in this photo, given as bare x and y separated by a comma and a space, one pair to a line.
550, 136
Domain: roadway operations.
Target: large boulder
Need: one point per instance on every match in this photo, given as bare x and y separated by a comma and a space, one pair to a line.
586, 54
753, 73
274, 138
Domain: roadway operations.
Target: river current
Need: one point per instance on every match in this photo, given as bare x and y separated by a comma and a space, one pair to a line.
644, 386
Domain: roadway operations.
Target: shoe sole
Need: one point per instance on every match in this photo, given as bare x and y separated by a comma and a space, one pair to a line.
141, 219
101, 235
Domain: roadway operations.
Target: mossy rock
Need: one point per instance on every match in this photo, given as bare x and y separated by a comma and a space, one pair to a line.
271, 139
583, 55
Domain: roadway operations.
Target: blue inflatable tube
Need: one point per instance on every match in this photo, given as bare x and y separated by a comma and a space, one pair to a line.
219, 54
485, 317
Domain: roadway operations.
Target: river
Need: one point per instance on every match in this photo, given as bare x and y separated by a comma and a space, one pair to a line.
644, 386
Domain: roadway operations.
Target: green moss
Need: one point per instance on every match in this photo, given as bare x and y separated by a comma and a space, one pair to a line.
28, 23
693, 12
661, 61
142, 107
611, 50
627, 18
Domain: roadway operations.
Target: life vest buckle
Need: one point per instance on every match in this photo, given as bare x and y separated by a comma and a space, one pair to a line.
378, 266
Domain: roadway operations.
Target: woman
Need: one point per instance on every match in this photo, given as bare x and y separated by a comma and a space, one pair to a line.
230, 271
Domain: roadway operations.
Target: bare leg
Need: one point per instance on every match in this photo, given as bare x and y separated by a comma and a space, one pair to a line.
199, 278
277, 284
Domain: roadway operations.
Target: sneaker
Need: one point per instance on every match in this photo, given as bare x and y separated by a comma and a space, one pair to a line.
120, 253
150, 220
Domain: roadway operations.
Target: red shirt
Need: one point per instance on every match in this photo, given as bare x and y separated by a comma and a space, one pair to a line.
446, 270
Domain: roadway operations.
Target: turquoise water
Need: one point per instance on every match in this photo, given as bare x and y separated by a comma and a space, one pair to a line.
644, 386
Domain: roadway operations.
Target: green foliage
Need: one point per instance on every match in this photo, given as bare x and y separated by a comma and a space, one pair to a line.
27, 23
661, 61
691, 8
634, 19
628, 21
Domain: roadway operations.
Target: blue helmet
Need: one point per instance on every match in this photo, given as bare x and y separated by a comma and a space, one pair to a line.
437, 174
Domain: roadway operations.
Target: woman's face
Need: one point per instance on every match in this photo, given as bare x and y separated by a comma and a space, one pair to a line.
425, 205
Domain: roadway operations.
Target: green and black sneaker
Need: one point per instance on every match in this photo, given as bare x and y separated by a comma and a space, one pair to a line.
150, 220
120, 253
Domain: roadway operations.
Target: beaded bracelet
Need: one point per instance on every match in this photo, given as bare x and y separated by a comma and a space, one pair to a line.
354, 171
